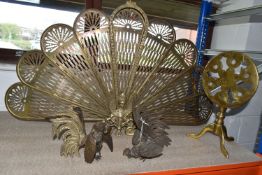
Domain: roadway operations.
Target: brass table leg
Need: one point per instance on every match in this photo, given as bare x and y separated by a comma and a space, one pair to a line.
207, 128
217, 128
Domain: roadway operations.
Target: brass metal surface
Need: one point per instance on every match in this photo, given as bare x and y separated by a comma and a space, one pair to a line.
108, 66
71, 129
230, 79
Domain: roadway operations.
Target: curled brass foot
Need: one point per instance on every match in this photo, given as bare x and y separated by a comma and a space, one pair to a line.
227, 138
206, 129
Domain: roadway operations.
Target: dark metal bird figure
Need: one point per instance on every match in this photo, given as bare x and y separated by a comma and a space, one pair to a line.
94, 141
149, 138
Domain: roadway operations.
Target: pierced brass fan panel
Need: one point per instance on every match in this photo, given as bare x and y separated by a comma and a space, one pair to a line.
108, 66
230, 79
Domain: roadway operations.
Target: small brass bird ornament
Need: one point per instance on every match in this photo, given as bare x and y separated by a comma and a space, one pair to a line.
99, 134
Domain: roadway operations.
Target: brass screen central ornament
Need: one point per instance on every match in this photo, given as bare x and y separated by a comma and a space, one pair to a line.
112, 70
121, 118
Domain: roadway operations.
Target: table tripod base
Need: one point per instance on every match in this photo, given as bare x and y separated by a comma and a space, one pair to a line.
217, 128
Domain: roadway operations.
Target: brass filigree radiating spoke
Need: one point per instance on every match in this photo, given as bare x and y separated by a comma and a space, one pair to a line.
31, 65
129, 19
162, 30
16, 99
55, 38
187, 51
91, 20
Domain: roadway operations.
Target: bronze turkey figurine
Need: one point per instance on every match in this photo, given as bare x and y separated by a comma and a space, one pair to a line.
103, 69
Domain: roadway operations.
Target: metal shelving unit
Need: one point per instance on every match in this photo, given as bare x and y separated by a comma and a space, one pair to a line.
206, 17
211, 52
202, 31
236, 13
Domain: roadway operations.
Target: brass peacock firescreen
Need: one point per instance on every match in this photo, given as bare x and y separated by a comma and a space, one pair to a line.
127, 74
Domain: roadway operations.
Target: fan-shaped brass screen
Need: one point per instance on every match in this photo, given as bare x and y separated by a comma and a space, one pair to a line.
109, 66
